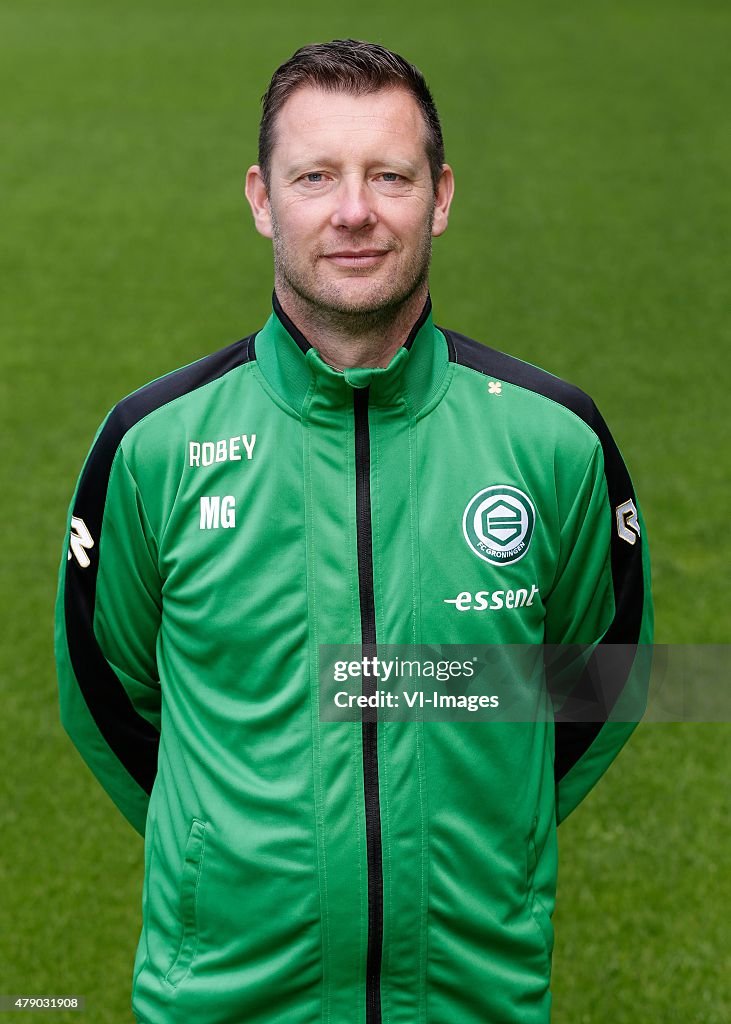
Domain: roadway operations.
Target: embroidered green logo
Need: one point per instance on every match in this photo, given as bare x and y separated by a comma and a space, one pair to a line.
498, 524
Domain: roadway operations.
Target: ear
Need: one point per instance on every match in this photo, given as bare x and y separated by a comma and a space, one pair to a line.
256, 193
443, 200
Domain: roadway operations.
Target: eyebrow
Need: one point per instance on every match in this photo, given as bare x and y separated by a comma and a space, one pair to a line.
316, 161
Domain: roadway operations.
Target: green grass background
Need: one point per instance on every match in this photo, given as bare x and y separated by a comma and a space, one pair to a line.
591, 148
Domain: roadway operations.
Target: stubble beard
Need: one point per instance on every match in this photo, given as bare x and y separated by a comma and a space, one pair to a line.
326, 300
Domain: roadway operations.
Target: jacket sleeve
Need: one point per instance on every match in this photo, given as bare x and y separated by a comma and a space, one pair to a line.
107, 622
600, 612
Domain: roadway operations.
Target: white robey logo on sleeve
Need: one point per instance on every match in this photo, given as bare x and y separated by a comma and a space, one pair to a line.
628, 522
80, 541
498, 524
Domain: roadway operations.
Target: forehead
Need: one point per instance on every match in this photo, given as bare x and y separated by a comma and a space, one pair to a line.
311, 118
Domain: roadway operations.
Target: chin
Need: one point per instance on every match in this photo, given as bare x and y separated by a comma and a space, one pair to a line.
359, 295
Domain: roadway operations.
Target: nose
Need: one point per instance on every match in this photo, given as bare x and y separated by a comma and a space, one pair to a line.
354, 206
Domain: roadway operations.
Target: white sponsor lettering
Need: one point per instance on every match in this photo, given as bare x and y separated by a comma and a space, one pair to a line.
227, 449
217, 511
493, 600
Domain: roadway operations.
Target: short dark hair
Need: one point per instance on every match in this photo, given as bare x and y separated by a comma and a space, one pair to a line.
355, 67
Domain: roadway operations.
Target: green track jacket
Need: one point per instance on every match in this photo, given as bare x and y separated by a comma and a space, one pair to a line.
236, 514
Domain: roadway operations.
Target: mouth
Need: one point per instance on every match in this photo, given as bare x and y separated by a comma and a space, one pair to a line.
356, 257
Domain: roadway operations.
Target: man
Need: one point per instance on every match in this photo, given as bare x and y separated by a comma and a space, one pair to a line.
349, 474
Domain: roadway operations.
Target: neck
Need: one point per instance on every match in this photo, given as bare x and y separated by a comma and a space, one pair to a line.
346, 340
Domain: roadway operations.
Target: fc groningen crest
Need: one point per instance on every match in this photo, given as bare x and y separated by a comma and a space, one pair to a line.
498, 524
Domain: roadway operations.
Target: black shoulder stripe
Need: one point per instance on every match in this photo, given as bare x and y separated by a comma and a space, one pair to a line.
573, 739
131, 737
491, 363
174, 385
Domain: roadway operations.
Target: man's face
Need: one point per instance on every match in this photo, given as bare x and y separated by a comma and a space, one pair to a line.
351, 207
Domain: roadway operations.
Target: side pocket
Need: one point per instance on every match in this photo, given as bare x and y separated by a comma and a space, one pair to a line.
190, 880
542, 919
539, 913
143, 953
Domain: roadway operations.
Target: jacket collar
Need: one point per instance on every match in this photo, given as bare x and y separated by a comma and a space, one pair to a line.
294, 369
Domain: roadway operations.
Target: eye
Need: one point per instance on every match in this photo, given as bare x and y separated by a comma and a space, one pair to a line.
313, 178
390, 177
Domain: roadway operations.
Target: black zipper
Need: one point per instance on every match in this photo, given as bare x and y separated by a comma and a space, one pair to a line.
369, 726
